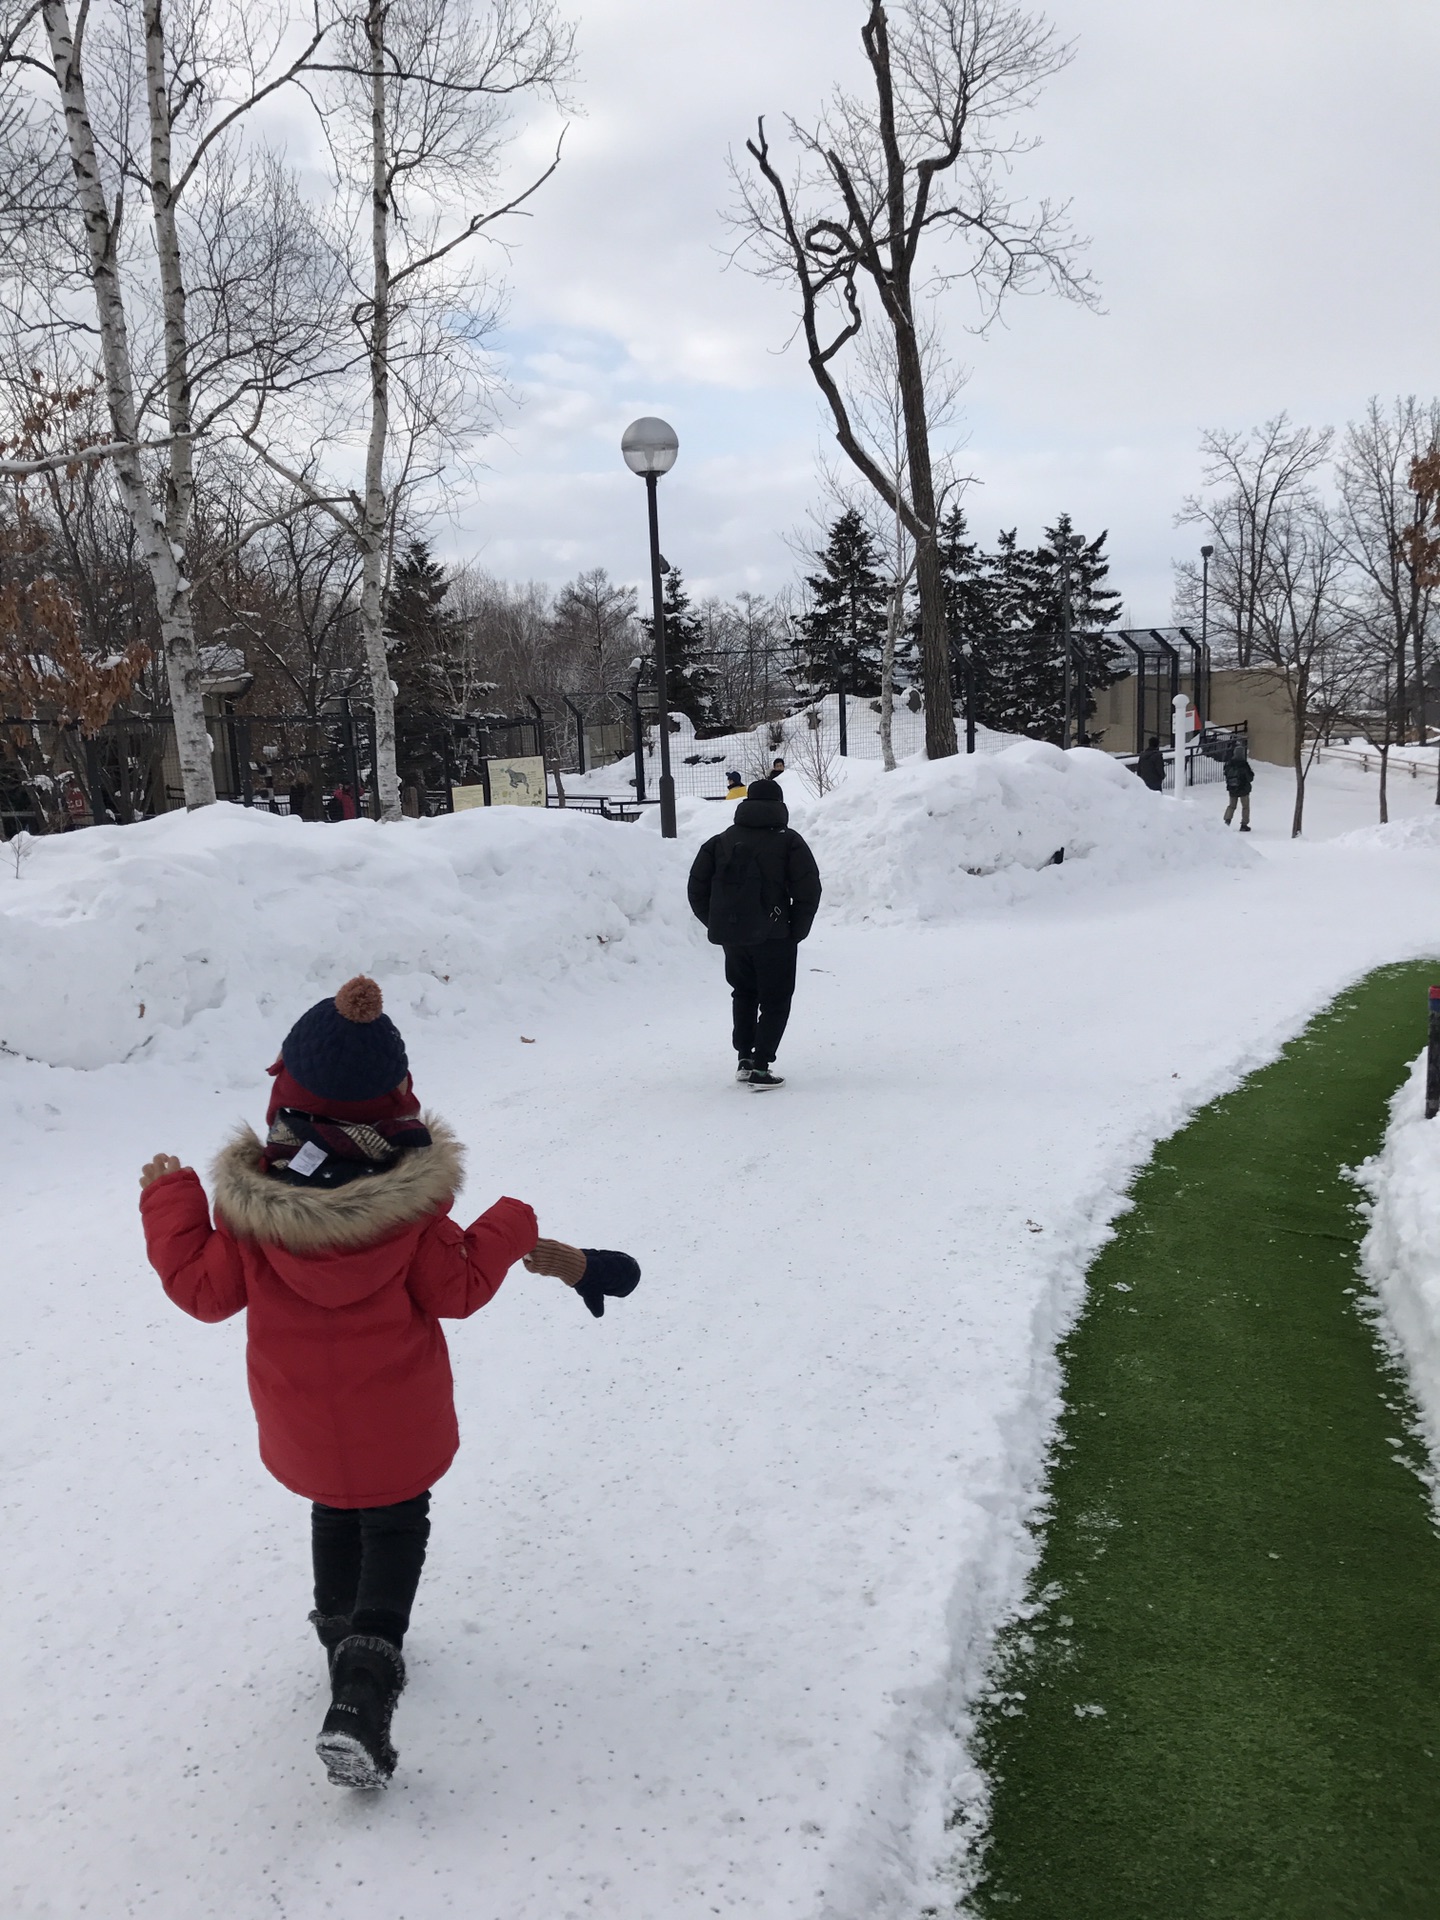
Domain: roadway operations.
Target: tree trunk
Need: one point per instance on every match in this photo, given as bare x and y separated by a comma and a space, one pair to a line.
887, 673
1297, 819
373, 526
940, 740
1384, 778
166, 564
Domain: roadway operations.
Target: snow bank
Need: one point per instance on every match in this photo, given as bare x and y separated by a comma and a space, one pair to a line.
936, 839
1400, 1256
1419, 833
115, 941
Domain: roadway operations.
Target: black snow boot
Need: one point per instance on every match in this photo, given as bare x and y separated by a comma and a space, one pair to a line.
331, 1628
366, 1678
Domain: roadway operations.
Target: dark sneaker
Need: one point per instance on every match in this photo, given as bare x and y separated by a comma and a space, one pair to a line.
1244, 829
762, 1079
744, 1069
366, 1677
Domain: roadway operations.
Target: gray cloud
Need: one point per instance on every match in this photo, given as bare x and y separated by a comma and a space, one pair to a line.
1257, 178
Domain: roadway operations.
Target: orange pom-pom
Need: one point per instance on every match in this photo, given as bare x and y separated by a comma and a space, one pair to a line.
359, 1000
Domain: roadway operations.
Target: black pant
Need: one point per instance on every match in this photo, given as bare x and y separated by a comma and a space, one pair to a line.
368, 1561
762, 981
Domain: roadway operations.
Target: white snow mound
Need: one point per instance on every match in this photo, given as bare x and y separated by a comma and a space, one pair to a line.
934, 840
1400, 1256
1419, 833
115, 940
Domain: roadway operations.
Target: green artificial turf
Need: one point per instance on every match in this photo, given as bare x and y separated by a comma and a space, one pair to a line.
1227, 1704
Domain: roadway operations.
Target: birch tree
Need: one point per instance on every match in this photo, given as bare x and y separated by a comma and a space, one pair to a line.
420, 116
893, 197
223, 303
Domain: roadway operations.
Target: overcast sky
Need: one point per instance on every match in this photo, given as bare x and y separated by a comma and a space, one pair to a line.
1259, 182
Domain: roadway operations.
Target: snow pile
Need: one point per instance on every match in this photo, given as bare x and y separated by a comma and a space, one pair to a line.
935, 839
117, 942
1420, 833
1400, 1256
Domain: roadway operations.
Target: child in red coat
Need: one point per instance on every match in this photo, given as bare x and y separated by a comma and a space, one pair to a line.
335, 1235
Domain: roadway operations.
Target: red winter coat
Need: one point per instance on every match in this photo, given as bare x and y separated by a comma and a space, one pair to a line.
349, 1372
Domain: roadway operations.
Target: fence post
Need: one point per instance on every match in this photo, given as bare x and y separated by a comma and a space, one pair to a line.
639, 739
844, 735
352, 757
579, 733
1432, 1060
242, 738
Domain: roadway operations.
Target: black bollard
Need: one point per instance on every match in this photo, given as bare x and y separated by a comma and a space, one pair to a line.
1432, 1062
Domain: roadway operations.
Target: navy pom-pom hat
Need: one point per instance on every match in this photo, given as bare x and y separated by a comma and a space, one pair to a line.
346, 1049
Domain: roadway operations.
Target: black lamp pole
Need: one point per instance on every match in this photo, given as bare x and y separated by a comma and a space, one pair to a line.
667, 783
1205, 553
649, 447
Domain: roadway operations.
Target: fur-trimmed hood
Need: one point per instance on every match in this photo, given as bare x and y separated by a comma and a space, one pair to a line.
333, 1220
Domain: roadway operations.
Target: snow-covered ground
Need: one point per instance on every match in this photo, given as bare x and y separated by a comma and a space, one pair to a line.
712, 1579
1401, 1252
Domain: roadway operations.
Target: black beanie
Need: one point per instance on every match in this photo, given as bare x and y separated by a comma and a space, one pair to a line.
770, 790
347, 1048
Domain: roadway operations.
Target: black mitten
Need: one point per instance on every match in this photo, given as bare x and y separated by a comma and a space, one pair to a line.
615, 1274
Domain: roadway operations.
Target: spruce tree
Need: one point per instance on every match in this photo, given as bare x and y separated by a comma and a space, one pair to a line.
1095, 663
1020, 664
687, 677
842, 638
415, 627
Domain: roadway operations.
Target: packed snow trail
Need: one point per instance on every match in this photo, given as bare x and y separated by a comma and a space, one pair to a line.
713, 1579
1226, 1701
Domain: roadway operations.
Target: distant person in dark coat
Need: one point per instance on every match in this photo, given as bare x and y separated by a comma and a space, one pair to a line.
1151, 765
757, 889
1239, 779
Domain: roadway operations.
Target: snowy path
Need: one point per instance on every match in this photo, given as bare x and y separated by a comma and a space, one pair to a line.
709, 1577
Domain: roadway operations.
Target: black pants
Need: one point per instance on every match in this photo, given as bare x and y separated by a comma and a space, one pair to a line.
762, 981
368, 1561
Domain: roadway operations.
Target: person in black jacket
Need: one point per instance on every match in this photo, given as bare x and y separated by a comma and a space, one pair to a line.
1150, 765
757, 888
1239, 779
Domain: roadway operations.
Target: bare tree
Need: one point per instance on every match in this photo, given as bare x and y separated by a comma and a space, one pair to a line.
1280, 580
218, 291
1380, 475
1254, 480
895, 197
596, 617
419, 120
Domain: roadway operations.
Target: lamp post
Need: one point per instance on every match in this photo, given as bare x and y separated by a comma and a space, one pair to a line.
650, 447
1205, 554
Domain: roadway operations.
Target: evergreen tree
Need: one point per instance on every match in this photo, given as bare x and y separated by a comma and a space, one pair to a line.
1093, 607
842, 638
688, 678
1018, 593
415, 635
971, 618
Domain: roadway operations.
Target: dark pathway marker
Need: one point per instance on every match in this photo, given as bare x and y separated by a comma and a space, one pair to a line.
1227, 1704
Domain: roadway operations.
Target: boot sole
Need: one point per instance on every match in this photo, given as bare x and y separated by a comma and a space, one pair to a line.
347, 1762
764, 1086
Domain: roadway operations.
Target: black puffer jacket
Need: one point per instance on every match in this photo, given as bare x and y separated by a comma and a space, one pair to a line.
758, 880
1239, 774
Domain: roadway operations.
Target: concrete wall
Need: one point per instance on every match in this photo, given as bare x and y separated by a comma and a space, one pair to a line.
1252, 694
1257, 696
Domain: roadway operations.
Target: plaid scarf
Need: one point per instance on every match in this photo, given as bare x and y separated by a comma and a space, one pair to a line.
332, 1153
